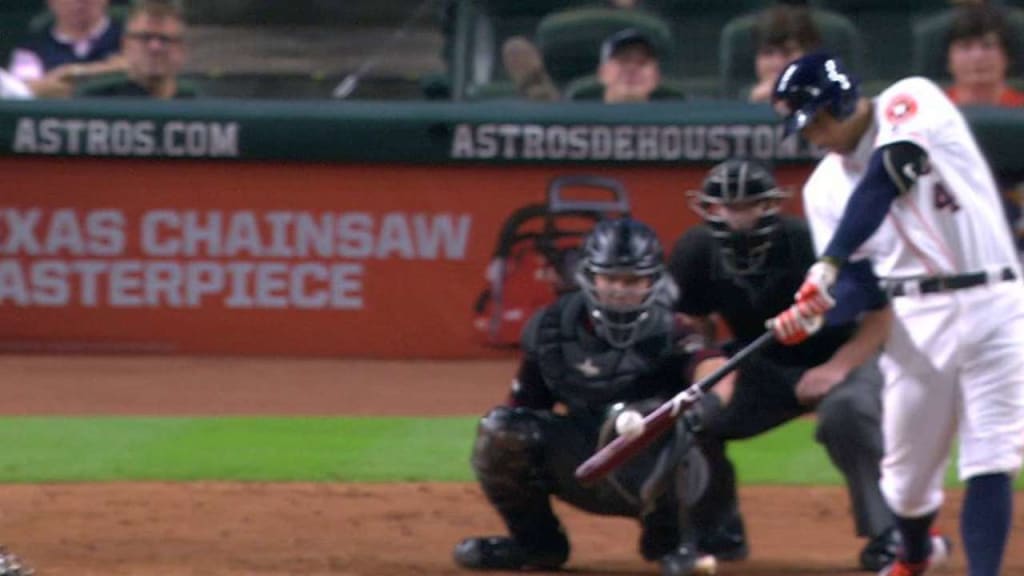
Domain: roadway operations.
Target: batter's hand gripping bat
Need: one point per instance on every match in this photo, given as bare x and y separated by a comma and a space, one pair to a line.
624, 447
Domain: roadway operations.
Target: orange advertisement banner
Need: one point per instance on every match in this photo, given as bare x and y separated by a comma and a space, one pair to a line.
387, 261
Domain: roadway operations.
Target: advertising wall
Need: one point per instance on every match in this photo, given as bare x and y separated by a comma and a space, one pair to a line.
375, 260
390, 230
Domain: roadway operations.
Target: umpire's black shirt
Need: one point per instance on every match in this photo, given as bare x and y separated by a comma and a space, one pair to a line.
745, 302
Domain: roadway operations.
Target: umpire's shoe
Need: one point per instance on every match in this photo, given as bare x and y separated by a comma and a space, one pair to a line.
686, 561
726, 542
504, 553
880, 551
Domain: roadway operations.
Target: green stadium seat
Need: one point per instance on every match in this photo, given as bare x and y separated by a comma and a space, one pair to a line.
860, 5
930, 50
683, 8
15, 16
589, 88
736, 48
536, 8
697, 27
886, 27
571, 40
498, 90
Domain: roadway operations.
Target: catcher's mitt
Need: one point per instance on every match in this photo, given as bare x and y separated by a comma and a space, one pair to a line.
11, 565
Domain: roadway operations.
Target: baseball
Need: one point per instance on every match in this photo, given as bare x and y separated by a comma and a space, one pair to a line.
630, 423
706, 566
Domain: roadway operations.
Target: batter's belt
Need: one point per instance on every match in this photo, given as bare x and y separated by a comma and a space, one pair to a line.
931, 284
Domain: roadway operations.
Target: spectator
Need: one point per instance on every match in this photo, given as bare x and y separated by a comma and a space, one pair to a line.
525, 67
978, 57
154, 53
629, 69
83, 41
782, 33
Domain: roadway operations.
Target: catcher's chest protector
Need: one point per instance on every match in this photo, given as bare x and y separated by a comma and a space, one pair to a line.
585, 373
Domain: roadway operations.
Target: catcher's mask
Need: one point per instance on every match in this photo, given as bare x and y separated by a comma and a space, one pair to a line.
740, 202
622, 275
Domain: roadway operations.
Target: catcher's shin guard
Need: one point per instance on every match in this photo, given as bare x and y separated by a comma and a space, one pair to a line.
508, 461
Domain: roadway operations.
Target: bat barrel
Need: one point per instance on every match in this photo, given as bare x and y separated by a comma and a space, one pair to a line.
658, 422
622, 448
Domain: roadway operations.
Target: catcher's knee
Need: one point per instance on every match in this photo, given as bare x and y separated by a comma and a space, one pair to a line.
509, 446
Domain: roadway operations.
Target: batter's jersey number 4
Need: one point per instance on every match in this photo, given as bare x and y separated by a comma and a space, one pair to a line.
944, 200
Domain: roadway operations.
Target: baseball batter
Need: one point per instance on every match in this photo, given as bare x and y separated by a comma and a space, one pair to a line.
906, 186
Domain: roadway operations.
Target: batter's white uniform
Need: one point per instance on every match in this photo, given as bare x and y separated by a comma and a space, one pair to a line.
955, 359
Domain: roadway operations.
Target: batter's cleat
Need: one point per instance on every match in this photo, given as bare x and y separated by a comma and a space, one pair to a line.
901, 568
686, 561
942, 549
504, 553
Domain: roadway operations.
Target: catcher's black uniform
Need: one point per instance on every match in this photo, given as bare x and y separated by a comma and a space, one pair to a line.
582, 365
525, 451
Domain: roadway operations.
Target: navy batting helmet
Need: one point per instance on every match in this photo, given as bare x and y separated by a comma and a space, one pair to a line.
812, 83
628, 249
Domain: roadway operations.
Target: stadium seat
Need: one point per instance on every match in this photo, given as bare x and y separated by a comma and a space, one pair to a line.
736, 49
15, 16
697, 27
860, 5
498, 90
886, 28
536, 8
930, 38
570, 40
589, 88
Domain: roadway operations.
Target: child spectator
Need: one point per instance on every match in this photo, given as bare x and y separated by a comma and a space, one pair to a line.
782, 33
979, 56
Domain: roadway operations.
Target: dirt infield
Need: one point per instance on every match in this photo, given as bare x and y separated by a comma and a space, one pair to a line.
339, 529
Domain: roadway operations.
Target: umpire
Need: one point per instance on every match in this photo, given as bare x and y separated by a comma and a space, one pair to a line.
743, 265
594, 354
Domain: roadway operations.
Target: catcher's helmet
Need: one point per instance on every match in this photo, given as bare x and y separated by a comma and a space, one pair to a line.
628, 248
743, 244
812, 83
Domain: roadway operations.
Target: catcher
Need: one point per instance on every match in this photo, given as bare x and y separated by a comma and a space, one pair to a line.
593, 362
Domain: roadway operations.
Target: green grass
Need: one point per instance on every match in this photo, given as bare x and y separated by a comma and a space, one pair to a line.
314, 449
256, 449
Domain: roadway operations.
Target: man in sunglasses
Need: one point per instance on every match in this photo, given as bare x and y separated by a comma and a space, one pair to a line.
154, 54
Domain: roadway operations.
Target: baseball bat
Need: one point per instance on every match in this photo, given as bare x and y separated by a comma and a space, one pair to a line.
618, 451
